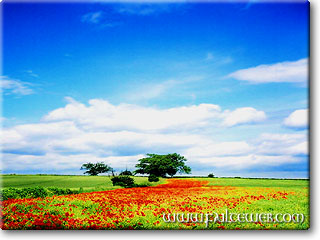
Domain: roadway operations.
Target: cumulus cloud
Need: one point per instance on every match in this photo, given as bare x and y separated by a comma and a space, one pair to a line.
293, 72
14, 86
100, 114
103, 115
297, 119
120, 134
242, 116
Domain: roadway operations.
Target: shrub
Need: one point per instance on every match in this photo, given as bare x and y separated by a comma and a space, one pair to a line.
123, 181
34, 192
9, 193
62, 191
153, 178
211, 175
31, 192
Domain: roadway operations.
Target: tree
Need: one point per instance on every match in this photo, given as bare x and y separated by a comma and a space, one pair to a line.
126, 173
211, 175
93, 169
162, 165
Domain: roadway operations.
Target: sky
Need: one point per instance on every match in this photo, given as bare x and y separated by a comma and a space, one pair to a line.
223, 84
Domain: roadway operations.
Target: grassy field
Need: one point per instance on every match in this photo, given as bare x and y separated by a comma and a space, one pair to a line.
254, 182
143, 208
87, 183
103, 182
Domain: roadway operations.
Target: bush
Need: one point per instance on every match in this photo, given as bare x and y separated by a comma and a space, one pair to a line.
211, 175
153, 178
34, 192
61, 191
31, 192
9, 193
123, 181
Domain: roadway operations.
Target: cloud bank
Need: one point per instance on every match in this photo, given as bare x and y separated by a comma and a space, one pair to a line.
121, 134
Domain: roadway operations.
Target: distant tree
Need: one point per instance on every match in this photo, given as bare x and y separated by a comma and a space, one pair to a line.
126, 173
93, 169
210, 175
162, 165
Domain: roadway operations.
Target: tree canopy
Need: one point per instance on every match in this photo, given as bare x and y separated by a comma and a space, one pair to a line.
94, 169
126, 173
162, 165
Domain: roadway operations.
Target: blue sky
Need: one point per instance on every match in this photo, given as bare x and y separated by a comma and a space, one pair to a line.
223, 84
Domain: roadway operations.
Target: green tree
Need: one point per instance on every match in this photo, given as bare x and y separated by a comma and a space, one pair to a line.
126, 173
93, 169
162, 165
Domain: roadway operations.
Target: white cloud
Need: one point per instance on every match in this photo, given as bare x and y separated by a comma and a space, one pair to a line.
100, 114
243, 115
92, 17
282, 144
53, 162
13, 86
297, 119
120, 134
145, 9
210, 149
150, 91
294, 72
248, 161
32, 74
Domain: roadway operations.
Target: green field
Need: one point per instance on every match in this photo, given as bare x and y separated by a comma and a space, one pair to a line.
254, 182
100, 183
142, 208
73, 182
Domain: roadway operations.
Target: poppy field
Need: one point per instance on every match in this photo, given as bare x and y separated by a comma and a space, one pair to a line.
144, 207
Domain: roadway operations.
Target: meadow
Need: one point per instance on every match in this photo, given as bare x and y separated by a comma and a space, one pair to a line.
73, 182
143, 208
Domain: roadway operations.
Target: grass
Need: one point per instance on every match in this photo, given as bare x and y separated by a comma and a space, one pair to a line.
254, 182
73, 182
